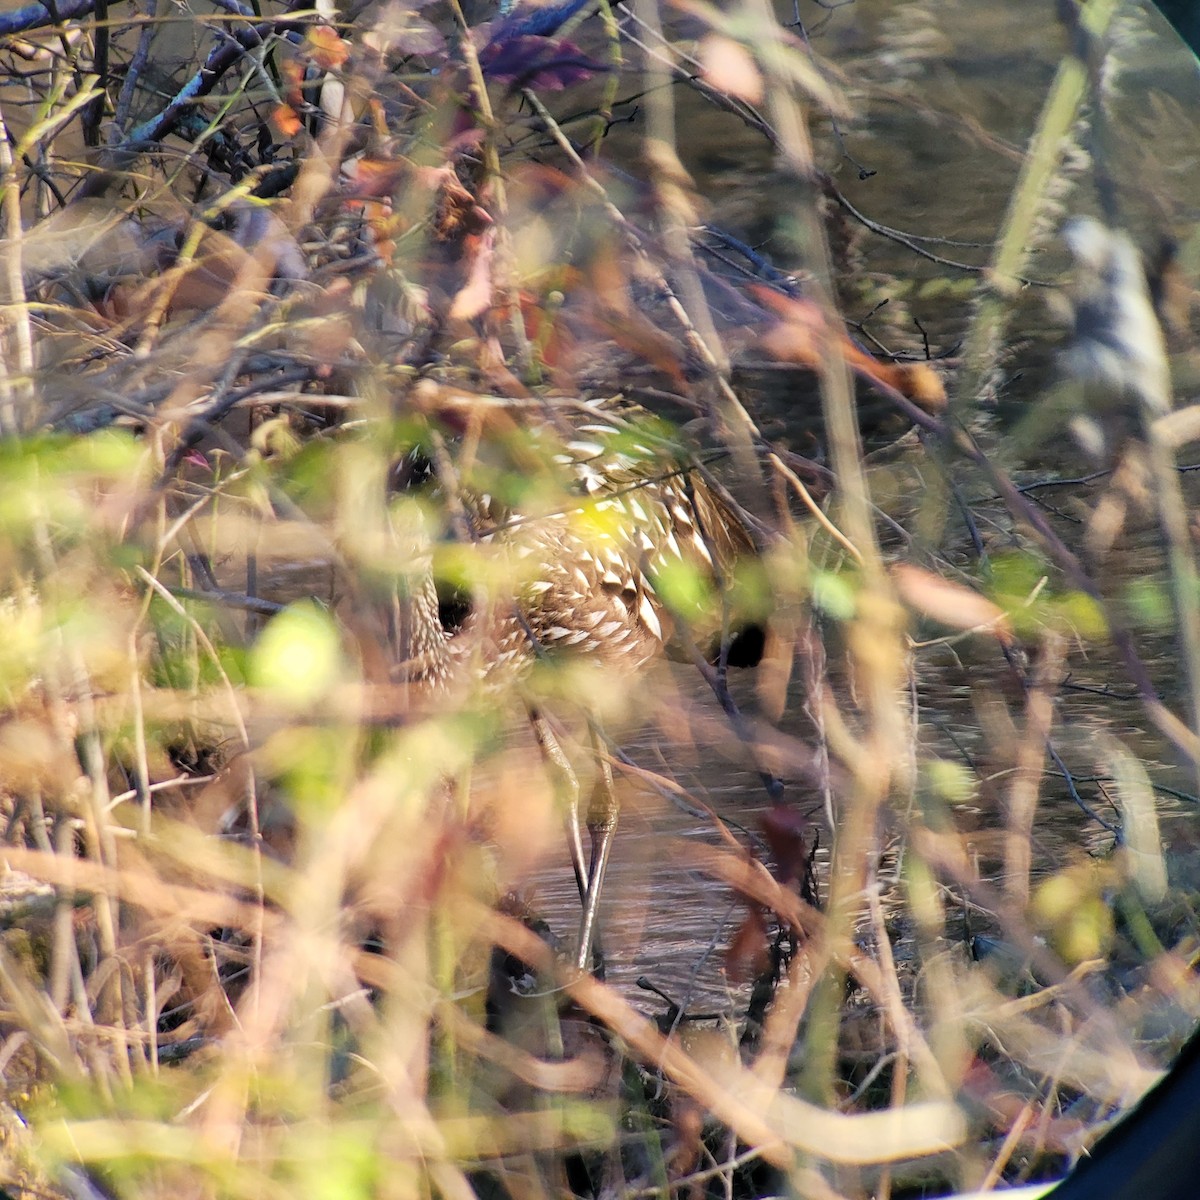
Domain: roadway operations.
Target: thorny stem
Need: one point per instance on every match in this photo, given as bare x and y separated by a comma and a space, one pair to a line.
874, 636
986, 333
494, 181
612, 35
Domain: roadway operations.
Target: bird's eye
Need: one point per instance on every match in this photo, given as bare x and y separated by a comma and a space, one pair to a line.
454, 606
411, 471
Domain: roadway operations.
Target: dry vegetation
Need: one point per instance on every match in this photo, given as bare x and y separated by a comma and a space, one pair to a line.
268, 927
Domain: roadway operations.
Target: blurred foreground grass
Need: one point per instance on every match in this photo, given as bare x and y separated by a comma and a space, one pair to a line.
267, 924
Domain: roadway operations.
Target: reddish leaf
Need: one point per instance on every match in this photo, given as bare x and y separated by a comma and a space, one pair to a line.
786, 830
608, 307
292, 74
459, 214
749, 952
286, 122
373, 177
688, 1120
476, 294
635, 332
325, 49
803, 334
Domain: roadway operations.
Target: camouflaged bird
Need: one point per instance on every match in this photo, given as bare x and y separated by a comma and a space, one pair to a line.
604, 562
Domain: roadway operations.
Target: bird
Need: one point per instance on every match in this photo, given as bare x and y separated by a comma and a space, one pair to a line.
635, 553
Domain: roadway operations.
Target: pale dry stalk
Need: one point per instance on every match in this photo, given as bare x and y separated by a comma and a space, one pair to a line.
1027, 776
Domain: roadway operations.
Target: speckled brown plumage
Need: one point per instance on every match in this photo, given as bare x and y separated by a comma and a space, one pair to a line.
586, 568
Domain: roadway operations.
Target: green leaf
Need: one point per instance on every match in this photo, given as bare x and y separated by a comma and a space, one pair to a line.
298, 658
833, 594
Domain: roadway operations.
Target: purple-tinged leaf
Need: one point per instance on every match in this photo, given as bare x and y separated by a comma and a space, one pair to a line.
537, 62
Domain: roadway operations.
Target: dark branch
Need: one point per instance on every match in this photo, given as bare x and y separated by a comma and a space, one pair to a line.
37, 16
239, 42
